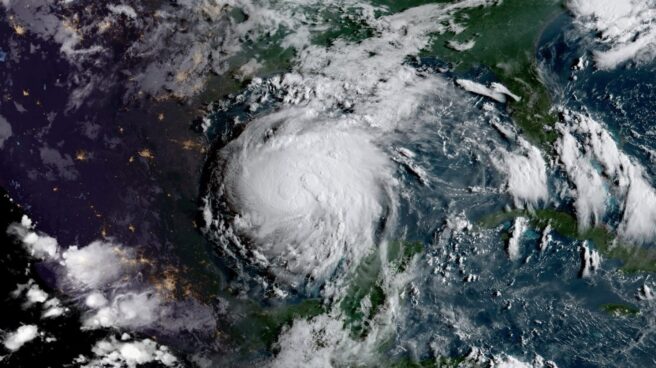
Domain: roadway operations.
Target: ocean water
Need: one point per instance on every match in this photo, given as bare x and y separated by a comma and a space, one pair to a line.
462, 292
362, 209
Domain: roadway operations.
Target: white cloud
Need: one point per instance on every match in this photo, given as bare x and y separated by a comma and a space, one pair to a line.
500, 88
99, 265
38, 245
41, 246
626, 180
95, 300
496, 91
133, 309
312, 343
591, 193
122, 9
546, 238
113, 353
508, 361
625, 29
646, 293
310, 196
406, 157
249, 69
53, 308
36, 295
24, 334
309, 189
519, 227
590, 260
461, 46
639, 218
105, 280
95, 265
526, 171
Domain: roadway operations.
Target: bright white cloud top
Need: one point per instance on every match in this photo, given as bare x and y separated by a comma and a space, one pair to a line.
37, 245
590, 261
584, 141
310, 186
495, 91
626, 28
24, 334
104, 278
95, 265
131, 309
519, 227
128, 353
307, 194
526, 171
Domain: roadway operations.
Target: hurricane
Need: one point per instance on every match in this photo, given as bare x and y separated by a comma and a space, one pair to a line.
338, 183
305, 195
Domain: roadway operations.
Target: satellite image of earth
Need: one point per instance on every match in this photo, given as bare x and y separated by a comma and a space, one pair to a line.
328, 183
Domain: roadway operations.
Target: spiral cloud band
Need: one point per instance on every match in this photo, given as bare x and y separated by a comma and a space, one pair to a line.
306, 195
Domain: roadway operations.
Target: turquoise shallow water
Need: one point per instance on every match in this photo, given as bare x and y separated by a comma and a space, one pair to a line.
436, 281
464, 292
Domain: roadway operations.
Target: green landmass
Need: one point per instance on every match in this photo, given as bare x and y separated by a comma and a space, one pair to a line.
260, 326
620, 309
634, 258
366, 283
347, 25
440, 362
397, 6
506, 37
401, 253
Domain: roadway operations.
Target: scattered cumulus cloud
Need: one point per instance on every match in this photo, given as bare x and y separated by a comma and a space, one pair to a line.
103, 277
625, 29
38, 245
34, 295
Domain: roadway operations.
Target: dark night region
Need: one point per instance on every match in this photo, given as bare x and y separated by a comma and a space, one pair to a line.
302, 183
